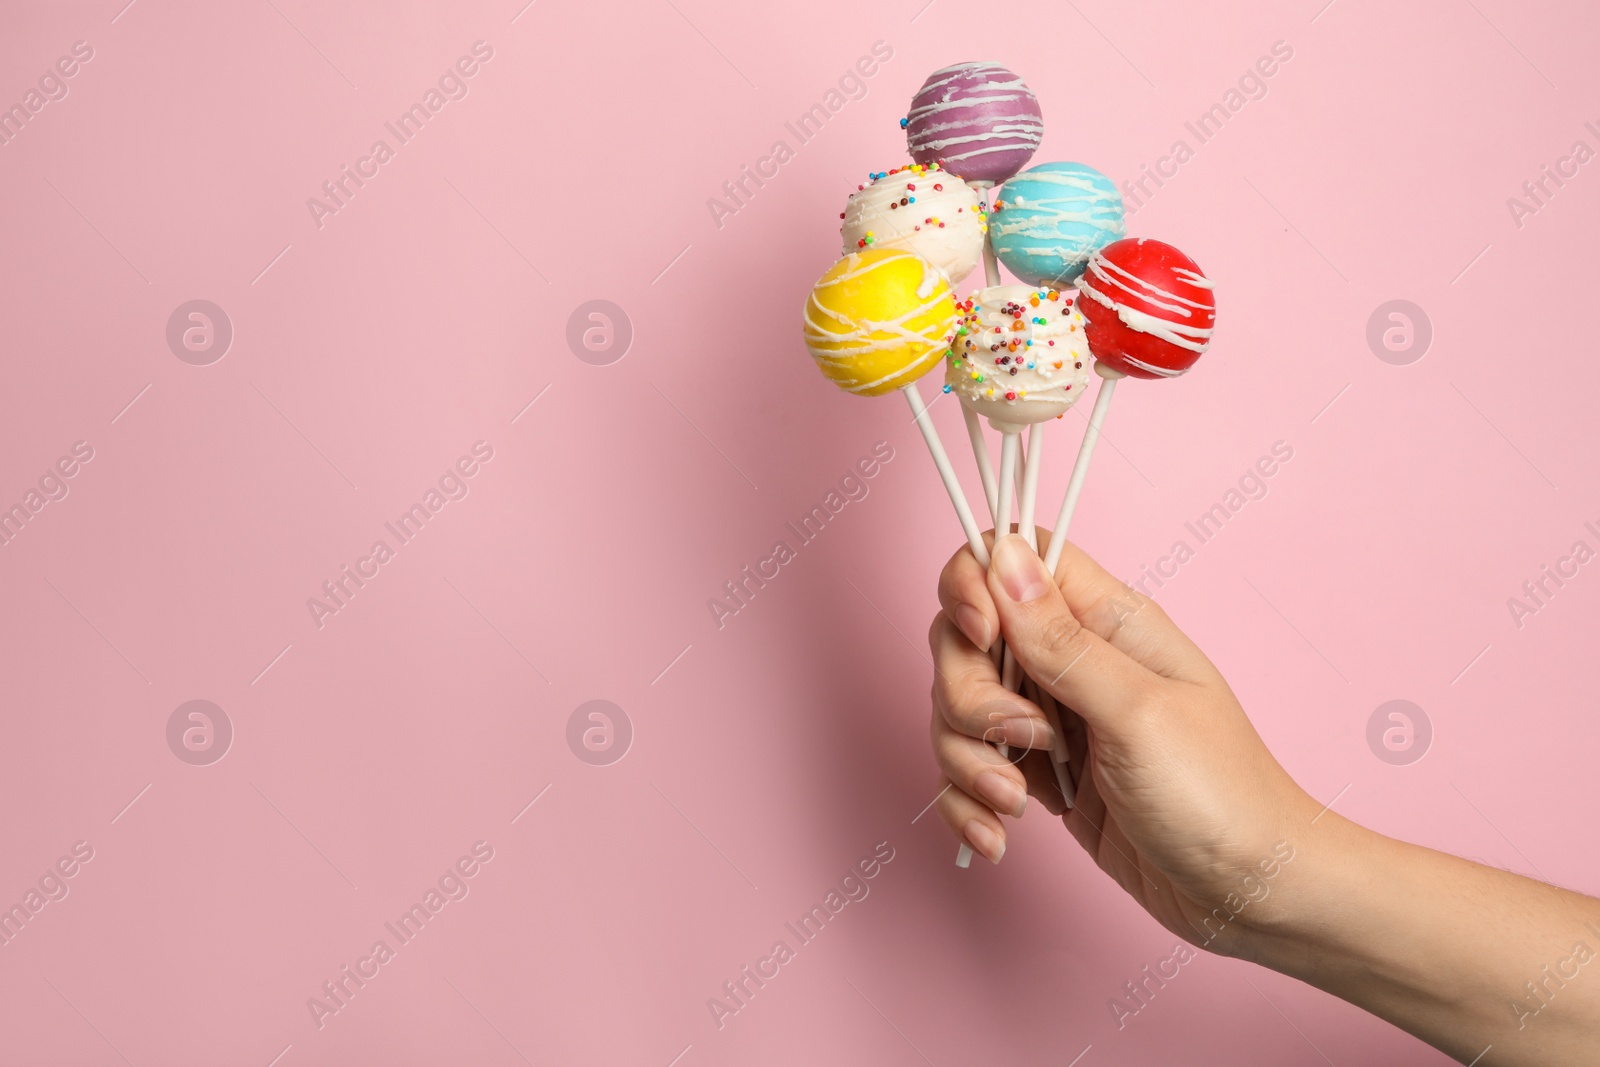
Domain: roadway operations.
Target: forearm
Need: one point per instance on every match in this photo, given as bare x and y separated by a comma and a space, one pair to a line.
1464, 956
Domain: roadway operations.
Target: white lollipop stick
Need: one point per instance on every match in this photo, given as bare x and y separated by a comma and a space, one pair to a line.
1009, 445
1030, 484
930, 436
1007, 484
952, 486
1080, 467
1058, 539
1022, 465
1032, 464
991, 265
980, 453
1002, 526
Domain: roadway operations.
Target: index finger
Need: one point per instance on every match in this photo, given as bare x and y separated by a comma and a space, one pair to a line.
964, 596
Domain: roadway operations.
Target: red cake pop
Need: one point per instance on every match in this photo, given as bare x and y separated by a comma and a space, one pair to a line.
1148, 313
1149, 309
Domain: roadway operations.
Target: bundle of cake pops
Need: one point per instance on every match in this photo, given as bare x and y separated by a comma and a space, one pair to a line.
1015, 355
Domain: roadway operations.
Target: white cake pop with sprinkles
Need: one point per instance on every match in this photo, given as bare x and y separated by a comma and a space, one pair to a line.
921, 209
1020, 355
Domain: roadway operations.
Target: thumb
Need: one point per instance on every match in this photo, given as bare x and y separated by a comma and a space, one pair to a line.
1077, 666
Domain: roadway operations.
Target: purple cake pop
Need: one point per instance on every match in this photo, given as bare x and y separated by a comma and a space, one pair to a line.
976, 120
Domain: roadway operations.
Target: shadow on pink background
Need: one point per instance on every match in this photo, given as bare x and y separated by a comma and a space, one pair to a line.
424, 728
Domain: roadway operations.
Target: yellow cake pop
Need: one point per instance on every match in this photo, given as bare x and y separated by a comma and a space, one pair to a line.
878, 320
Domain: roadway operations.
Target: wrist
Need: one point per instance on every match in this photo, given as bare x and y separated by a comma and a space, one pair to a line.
1297, 893
1265, 887
1312, 917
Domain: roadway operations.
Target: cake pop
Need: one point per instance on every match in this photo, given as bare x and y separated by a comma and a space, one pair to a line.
1022, 357
983, 124
1051, 218
1148, 313
1149, 308
878, 320
978, 120
922, 209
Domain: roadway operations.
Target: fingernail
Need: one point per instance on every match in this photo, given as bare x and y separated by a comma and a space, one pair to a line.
1021, 572
985, 841
1002, 793
970, 621
1027, 733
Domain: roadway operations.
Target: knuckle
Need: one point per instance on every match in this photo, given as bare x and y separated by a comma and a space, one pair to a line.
950, 575
960, 714
1061, 636
1113, 611
961, 572
949, 808
941, 695
951, 707
986, 723
947, 758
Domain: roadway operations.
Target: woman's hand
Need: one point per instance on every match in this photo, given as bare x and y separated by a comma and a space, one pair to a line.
1177, 798
1181, 803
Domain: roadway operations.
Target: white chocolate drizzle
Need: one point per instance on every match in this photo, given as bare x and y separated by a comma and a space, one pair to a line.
1022, 129
1102, 272
863, 337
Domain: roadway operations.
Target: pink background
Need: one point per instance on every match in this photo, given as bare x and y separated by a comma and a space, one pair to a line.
770, 755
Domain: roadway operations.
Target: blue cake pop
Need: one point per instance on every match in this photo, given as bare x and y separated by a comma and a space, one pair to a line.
1051, 218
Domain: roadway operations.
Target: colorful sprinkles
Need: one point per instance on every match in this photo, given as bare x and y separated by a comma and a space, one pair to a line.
983, 351
917, 170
